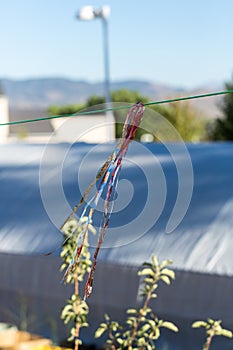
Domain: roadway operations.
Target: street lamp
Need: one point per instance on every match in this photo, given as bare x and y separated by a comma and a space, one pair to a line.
88, 13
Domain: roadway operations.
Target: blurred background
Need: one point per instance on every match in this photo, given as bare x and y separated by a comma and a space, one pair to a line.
62, 57
53, 57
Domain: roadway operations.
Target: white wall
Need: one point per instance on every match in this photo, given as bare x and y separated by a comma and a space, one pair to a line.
89, 128
4, 117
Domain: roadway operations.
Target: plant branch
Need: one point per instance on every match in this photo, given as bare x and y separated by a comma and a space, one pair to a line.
141, 314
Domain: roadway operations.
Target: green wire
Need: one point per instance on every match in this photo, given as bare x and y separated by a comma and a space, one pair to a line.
117, 108
189, 97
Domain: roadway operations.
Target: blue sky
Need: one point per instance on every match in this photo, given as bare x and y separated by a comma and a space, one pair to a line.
177, 42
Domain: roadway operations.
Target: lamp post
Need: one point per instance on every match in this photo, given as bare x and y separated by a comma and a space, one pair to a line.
88, 13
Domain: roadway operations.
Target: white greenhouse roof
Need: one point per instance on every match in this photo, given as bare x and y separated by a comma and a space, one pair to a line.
150, 182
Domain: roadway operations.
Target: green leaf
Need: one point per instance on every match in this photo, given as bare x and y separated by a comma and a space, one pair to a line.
147, 264
165, 279
153, 295
141, 342
71, 338
85, 324
165, 263
155, 286
171, 326
145, 327
92, 229
152, 323
211, 321
157, 333
169, 273
99, 332
107, 318
131, 311
103, 325
148, 309
199, 324
130, 322
114, 327
148, 280
155, 261
225, 333
66, 309
146, 271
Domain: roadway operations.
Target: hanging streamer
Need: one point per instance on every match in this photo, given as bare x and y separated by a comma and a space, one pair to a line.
107, 177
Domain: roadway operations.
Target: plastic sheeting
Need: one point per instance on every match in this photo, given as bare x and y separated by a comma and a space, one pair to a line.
202, 242
40, 185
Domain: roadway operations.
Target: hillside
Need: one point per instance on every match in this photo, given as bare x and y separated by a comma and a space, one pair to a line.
38, 94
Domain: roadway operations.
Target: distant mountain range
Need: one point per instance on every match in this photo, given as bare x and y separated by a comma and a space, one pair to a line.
39, 94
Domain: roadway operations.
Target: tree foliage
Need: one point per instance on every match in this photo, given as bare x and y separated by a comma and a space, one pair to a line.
67, 109
182, 116
187, 121
223, 127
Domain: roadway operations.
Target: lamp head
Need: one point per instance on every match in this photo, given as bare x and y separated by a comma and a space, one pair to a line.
86, 13
106, 11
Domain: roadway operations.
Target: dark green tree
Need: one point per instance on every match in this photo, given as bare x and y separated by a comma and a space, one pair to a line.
122, 95
181, 115
67, 109
95, 100
188, 121
223, 127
